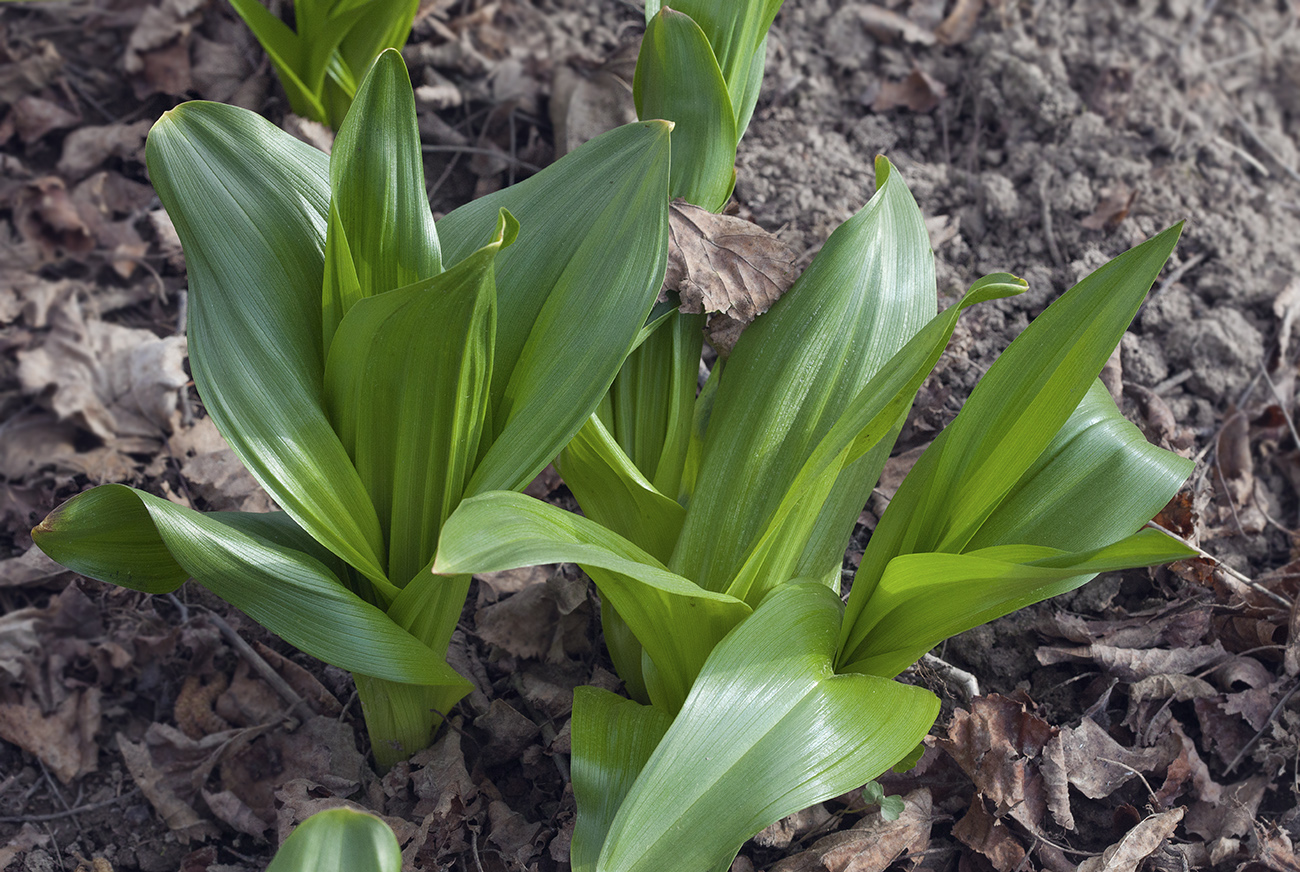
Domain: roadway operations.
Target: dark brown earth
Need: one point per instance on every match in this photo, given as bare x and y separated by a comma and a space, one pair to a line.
1150, 718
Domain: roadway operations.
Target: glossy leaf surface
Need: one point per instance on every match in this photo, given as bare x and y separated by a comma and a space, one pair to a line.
339, 840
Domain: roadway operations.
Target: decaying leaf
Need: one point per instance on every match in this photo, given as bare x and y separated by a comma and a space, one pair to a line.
86, 148
919, 92
872, 844
1112, 209
214, 472
986, 833
725, 266
34, 117
1138, 843
117, 382
64, 739
889, 26
46, 216
960, 23
585, 105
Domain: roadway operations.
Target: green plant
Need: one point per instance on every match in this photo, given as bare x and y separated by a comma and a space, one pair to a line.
322, 59
717, 553
339, 840
372, 370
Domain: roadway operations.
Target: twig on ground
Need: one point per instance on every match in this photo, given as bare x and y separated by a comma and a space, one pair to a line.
959, 678
297, 705
1281, 703
76, 810
1225, 568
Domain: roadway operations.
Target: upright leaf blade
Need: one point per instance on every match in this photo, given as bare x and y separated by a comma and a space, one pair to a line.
677, 78
339, 840
577, 286
407, 390
789, 377
249, 203
377, 194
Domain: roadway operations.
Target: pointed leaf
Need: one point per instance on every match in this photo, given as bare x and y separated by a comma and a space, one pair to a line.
677, 622
378, 197
127, 537
923, 599
870, 289
677, 78
407, 390
286, 52
1015, 411
249, 203
768, 729
573, 291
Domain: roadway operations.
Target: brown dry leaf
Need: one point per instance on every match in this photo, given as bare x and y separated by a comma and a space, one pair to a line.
919, 92
214, 472
1112, 209
509, 733
872, 844
63, 739
20, 843
1138, 843
119, 383
33, 117
585, 105
960, 23
445, 797
302, 681
985, 833
998, 744
727, 266
1232, 814
158, 50
31, 567
19, 636
514, 835
29, 73
791, 828
1096, 764
495, 585
222, 73
86, 148
46, 216
1274, 850
297, 802
896, 469
99, 199
1135, 664
889, 26
534, 623
37, 441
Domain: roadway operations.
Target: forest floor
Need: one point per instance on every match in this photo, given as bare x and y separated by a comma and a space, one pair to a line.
1150, 718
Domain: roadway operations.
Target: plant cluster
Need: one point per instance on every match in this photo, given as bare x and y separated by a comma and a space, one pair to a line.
395, 384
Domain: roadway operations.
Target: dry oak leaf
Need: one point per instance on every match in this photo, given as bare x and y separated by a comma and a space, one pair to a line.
872, 844
987, 834
1138, 843
64, 740
919, 92
726, 266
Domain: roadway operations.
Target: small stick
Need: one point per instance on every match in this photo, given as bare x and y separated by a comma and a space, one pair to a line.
297, 705
59, 815
1281, 703
966, 683
1225, 568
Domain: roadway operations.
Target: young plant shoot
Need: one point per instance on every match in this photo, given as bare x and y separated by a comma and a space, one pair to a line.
715, 525
322, 58
372, 370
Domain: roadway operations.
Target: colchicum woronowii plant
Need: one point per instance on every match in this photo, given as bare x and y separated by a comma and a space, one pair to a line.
394, 384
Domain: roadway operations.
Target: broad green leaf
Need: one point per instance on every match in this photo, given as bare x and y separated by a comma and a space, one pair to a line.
130, 538
871, 288
574, 291
677, 622
612, 739
249, 203
677, 78
768, 729
1096, 482
339, 840
614, 493
1015, 411
737, 31
868, 420
406, 386
379, 209
923, 599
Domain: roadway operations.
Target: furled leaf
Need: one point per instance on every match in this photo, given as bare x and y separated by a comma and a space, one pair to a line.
339, 840
1015, 411
872, 288
577, 287
676, 621
127, 537
923, 599
407, 391
737, 31
768, 729
249, 203
677, 78
378, 209
612, 739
